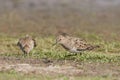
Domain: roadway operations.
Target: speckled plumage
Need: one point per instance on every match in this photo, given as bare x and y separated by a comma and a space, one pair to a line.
73, 44
26, 44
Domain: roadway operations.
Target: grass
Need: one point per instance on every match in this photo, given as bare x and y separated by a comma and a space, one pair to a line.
12, 75
108, 51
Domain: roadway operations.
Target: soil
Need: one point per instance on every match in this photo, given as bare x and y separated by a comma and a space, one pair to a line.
62, 67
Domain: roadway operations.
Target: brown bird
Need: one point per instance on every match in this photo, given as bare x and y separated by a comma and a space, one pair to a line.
26, 44
73, 44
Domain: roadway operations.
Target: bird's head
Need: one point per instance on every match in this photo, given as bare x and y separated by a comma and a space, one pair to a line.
61, 38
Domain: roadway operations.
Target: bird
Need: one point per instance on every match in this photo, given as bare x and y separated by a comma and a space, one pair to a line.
26, 44
74, 44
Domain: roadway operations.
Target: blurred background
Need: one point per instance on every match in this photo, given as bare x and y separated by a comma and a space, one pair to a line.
48, 17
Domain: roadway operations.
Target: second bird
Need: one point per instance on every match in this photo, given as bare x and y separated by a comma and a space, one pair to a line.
73, 44
26, 44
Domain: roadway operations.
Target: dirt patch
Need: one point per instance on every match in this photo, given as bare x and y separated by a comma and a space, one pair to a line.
56, 67
50, 70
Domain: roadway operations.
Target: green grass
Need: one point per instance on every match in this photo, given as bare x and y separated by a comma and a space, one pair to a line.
12, 75
108, 51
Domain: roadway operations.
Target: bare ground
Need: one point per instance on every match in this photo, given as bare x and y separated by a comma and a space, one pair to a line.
58, 67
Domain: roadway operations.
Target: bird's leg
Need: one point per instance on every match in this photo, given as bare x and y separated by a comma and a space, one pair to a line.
75, 55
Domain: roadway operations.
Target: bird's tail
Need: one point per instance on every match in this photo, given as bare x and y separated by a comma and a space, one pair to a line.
93, 47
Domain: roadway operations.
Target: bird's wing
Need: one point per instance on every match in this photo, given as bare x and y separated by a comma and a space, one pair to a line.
21, 42
81, 44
